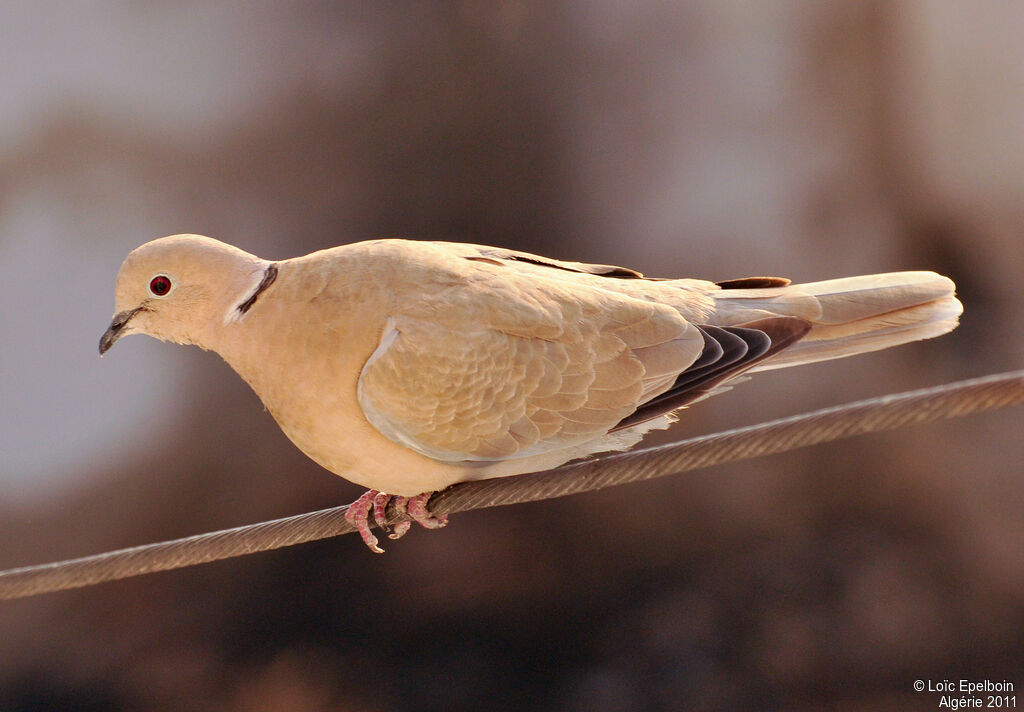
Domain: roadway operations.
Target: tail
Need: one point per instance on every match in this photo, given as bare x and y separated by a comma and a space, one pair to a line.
847, 316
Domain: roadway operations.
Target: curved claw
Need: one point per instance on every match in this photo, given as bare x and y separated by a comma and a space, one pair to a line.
357, 515
401, 527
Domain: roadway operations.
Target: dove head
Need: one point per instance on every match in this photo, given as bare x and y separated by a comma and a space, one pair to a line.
179, 288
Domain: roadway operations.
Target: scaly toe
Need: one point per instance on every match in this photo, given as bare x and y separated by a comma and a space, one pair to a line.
357, 515
417, 509
380, 507
401, 509
401, 529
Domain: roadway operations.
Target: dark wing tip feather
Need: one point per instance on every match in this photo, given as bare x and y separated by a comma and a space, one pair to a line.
754, 283
728, 352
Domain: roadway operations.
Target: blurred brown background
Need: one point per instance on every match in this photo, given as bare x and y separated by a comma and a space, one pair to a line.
699, 138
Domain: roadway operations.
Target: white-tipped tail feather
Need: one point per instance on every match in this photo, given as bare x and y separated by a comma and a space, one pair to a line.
851, 315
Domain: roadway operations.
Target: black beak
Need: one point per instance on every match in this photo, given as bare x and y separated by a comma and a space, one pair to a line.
113, 333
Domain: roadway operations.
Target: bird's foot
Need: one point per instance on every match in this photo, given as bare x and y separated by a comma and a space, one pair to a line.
409, 509
357, 515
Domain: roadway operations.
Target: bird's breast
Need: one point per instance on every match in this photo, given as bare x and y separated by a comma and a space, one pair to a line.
306, 372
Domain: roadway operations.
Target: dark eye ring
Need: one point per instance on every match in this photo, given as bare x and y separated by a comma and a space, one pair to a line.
160, 285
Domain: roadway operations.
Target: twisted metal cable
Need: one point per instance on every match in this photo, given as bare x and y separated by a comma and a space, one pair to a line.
876, 414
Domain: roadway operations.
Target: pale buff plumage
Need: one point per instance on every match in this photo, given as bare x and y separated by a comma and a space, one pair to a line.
408, 366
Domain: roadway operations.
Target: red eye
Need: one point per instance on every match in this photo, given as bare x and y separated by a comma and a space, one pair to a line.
160, 285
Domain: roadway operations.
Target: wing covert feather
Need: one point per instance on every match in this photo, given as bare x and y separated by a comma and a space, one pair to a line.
507, 368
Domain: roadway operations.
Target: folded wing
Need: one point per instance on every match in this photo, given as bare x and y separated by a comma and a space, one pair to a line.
515, 367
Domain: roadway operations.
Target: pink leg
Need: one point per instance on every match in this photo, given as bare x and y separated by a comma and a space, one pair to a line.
357, 515
417, 510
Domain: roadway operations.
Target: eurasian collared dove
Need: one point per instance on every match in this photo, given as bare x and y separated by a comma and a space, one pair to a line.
408, 366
